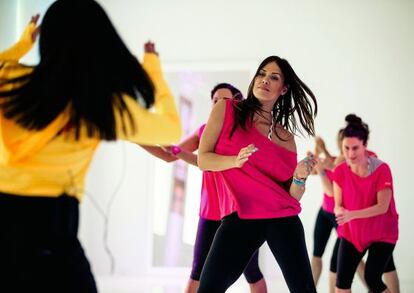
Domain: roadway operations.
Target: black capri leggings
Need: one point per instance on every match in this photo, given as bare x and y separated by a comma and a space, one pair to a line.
39, 248
379, 253
237, 239
205, 236
390, 266
325, 223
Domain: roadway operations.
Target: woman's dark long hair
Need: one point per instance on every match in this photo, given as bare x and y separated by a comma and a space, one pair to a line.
84, 64
294, 104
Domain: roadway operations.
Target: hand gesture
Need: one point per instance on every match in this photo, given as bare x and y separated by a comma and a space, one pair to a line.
244, 155
305, 167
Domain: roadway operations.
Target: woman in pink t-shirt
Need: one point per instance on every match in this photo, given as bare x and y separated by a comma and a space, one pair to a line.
326, 221
365, 210
210, 206
251, 147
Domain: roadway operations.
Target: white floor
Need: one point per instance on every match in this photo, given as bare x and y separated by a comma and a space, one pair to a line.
176, 285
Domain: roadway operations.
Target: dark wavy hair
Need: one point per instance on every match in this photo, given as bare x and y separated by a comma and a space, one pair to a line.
237, 94
356, 128
294, 105
84, 64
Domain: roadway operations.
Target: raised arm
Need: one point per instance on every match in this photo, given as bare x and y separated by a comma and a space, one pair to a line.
161, 125
320, 148
327, 184
24, 44
31, 141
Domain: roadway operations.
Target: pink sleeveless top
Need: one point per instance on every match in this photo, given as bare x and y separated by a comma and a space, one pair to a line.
209, 203
359, 193
252, 191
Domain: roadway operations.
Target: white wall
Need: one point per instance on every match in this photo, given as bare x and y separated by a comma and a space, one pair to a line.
355, 55
7, 23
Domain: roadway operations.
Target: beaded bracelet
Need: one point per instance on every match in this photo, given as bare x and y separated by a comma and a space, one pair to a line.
299, 181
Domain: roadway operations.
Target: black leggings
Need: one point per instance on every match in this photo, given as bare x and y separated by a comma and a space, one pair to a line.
390, 267
205, 236
39, 248
379, 254
237, 239
325, 223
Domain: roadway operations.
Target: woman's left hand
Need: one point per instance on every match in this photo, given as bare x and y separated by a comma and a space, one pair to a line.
34, 19
344, 216
305, 167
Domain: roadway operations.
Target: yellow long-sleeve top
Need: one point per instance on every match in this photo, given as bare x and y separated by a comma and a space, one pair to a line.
46, 163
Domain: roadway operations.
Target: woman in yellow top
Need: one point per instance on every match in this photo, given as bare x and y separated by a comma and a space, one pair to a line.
87, 87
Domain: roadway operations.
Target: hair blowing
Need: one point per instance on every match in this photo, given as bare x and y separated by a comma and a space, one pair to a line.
85, 65
290, 110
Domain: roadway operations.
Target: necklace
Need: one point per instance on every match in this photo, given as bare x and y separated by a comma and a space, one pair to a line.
269, 135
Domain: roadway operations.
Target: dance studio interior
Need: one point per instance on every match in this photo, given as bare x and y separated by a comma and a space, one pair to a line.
139, 214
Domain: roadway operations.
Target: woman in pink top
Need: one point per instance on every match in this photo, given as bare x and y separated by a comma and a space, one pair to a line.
326, 221
250, 144
210, 207
365, 210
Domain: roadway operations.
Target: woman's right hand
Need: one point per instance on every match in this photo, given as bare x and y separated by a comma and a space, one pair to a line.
244, 155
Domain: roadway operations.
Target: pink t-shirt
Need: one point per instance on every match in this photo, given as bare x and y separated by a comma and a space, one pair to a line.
328, 203
360, 193
253, 190
209, 203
